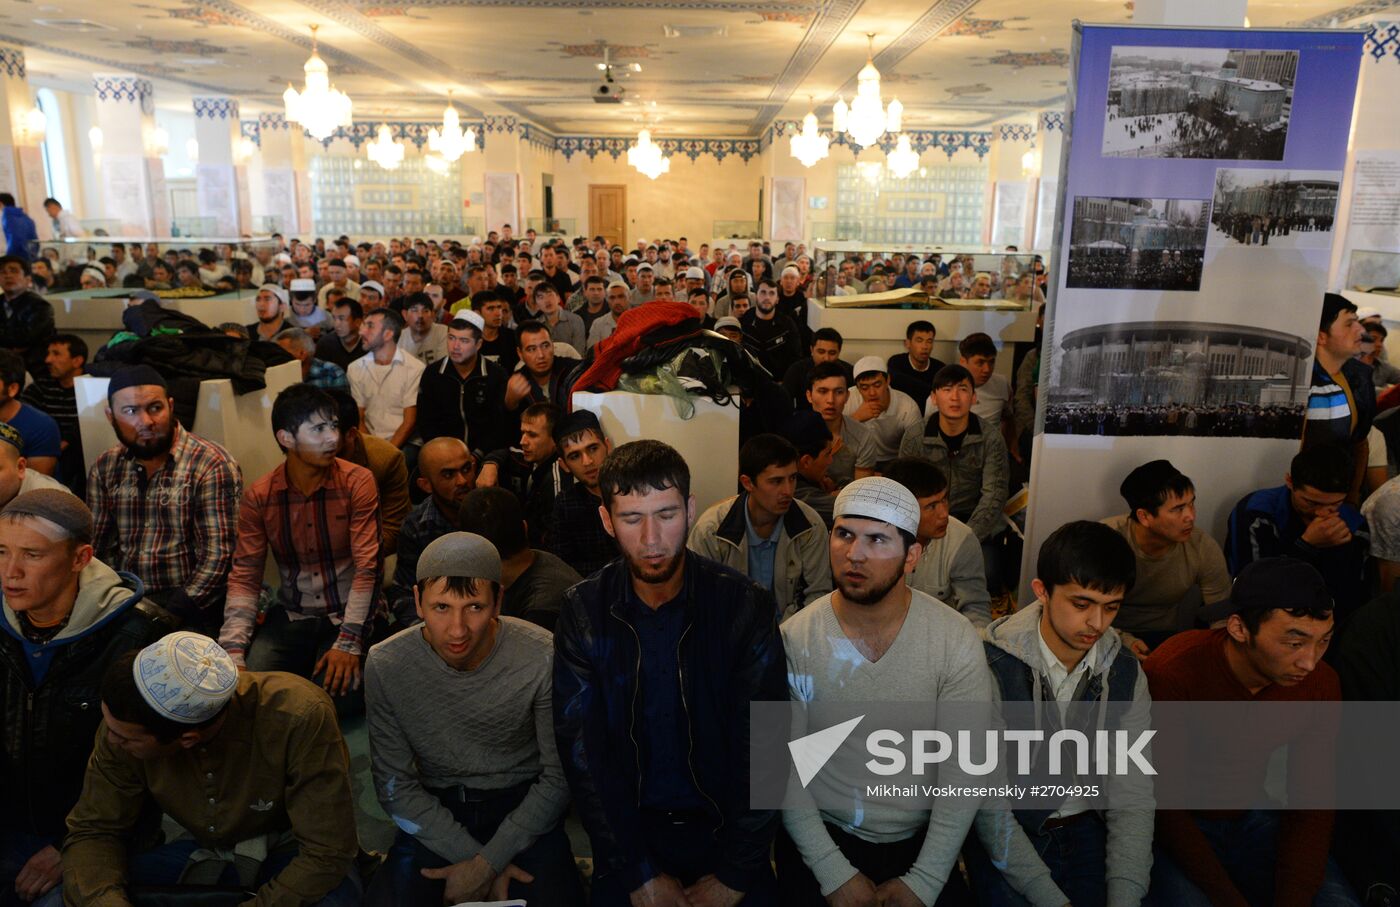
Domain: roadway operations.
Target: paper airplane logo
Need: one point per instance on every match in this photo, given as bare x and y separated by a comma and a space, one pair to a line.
810, 753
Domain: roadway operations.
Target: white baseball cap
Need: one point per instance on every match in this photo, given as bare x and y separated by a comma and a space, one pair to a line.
879, 498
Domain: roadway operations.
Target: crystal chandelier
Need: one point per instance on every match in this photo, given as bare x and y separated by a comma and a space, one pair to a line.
809, 145
903, 160
452, 142
384, 151
435, 163
646, 156
867, 118
319, 108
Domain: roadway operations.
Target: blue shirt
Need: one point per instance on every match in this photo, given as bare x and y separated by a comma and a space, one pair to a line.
40, 432
662, 727
762, 551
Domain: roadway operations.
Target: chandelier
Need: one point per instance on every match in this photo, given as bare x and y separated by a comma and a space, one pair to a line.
867, 118
384, 151
452, 142
435, 163
903, 160
319, 108
646, 156
809, 145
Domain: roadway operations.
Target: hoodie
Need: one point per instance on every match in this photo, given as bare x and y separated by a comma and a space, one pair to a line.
49, 702
1013, 649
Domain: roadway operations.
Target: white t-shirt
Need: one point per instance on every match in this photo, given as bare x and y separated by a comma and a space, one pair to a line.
385, 391
991, 401
433, 347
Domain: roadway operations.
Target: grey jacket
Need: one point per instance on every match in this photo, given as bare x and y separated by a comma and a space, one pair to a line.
977, 474
802, 564
951, 570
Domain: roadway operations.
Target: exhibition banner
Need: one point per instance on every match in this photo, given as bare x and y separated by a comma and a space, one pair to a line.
1199, 188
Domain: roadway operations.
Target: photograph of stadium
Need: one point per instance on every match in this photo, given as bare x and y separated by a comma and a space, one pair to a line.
1137, 243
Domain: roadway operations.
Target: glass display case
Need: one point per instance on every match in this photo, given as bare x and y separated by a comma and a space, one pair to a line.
861, 275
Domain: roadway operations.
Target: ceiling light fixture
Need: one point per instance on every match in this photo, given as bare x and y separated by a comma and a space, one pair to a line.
157, 142
36, 125
809, 145
384, 151
95, 139
435, 163
903, 160
245, 149
452, 142
646, 156
867, 118
1030, 163
318, 107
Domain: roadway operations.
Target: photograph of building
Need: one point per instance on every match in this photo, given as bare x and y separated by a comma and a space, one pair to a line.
1179, 378
1137, 243
1279, 208
1199, 103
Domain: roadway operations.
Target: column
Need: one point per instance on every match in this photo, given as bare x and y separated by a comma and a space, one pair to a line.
21, 158
1012, 220
217, 177
1048, 148
286, 184
133, 178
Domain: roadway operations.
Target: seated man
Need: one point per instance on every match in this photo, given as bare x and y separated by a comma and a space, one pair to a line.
765, 532
978, 354
423, 336
893, 642
1307, 517
53, 394
15, 476
853, 454
888, 413
383, 460
815, 449
461, 739
43, 442
540, 377
1181, 570
164, 502
826, 347
652, 654
67, 617
283, 822
342, 344
911, 372
26, 318
1064, 642
532, 471
950, 568
463, 396
576, 532
316, 372
318, 516
534, 581
446, 473
1270, 650
385, 381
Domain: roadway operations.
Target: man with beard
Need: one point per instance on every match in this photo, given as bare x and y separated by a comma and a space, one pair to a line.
765, 532
462, 396
577, 534
164, 502
385, 382
446, 473
541, 374
619, 300
652, 654
770, 335
792, 301
270, 307
875, 639
318, 516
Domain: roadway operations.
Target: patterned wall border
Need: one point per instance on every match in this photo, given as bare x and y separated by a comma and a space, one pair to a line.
12, 62
1348, 13
616, 147
1052, 120
216, 108
949, 141
535, 135
1383, 40
123, 88
1016, 132
252, 129
360, 133
505, 125
272, 121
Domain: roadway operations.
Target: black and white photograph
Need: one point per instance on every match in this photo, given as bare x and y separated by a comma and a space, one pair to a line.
1279, 209
1137, 243
1199, 102
1194, 378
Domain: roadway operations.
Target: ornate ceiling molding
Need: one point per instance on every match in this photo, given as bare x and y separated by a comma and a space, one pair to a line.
616, 146
949, 141
215, 108
826, 27
12, 62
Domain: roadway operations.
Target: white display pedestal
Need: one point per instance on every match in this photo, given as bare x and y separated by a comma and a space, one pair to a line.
241, 424
709, 440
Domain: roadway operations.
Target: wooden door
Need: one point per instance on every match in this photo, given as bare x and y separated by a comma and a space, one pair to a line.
607, 213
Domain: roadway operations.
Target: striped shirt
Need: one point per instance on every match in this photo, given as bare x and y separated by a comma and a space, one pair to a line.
173, 529
327, 550
1340, 406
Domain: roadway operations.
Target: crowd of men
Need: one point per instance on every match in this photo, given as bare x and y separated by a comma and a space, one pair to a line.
1231, 420
1135, 269
563, 633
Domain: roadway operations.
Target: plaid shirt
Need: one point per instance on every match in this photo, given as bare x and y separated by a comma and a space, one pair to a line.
327, 552
173, 529
576, 533
327, 376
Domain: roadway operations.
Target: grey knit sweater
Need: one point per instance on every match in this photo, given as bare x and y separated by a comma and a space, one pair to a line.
492, 728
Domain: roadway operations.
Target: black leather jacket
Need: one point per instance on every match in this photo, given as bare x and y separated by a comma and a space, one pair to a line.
48, 729
730, 655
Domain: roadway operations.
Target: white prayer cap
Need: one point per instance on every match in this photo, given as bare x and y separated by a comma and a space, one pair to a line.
867, 364
793, 269
879, 498
185, 677
352, 261
374, 285
303, 285
694, 274
473, 317
275, 290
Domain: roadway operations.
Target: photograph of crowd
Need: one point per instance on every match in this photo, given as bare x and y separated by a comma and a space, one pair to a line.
1199, 103
1179, 378
1137, 243
1282, 208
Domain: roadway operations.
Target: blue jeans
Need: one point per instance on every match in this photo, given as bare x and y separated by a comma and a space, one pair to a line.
162, 866
1247, 848
16, 848
550, 859
1075, 854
